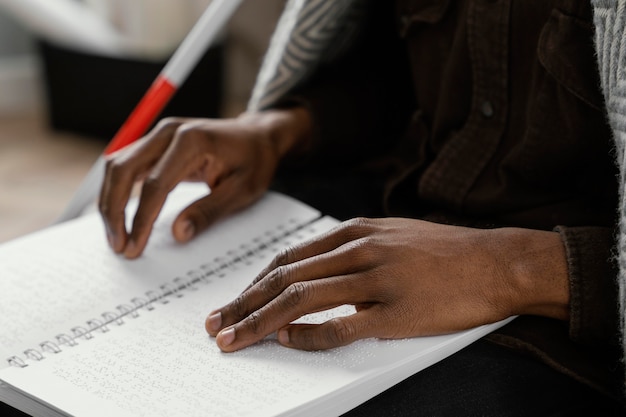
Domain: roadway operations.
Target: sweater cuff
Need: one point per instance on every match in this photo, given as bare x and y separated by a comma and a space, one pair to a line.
592, 283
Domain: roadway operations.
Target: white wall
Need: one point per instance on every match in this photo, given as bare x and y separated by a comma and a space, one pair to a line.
19, 76
14, 40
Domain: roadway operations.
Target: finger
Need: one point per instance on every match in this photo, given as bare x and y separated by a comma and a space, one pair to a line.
347, 232
225, 198
347, 259
339, 331
177, 162
114, 195
122, 170
296, 301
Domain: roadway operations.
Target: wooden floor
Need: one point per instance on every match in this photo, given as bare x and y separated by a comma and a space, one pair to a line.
39, 172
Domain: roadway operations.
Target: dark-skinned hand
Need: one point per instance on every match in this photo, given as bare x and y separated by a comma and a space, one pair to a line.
235, 157
405, 277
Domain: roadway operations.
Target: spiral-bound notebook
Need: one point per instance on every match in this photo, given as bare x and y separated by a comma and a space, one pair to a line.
87, 333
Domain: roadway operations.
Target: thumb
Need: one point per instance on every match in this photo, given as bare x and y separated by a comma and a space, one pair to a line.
203, 213
338, 331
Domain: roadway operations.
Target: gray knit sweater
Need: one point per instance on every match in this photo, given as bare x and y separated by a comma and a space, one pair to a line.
610, 33
312, 31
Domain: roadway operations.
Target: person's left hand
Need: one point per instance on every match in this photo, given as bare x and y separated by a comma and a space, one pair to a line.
405, 277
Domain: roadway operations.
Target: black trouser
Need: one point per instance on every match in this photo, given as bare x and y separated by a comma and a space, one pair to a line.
487, 380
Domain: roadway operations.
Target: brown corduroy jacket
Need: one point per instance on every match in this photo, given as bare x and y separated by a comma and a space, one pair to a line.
489, 114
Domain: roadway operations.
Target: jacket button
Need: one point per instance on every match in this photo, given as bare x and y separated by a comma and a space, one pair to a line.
487, 108
405, 24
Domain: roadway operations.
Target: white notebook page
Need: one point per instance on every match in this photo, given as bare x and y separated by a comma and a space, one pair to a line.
64, 276
164, 364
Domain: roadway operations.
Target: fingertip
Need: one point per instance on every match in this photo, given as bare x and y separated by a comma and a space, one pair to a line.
283, 337
111, 241
184, 230
213, 323
225, 339
115, 242
198, 217
119, 243
132, 250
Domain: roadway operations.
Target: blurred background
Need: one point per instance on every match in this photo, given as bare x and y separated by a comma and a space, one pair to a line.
63, 96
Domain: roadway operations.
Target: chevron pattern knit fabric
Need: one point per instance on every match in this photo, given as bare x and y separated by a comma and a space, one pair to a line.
610, 37
308, 33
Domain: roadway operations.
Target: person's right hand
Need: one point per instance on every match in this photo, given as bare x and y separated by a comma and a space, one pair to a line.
236, 158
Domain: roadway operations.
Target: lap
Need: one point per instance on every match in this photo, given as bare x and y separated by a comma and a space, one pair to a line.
481, 380
488, 380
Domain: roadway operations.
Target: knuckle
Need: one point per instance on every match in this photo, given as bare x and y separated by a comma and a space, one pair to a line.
187, 132
168, 123
253, 322
340, 332
357, 227
297, 293
285, 256
255, 281
364, 251
239, 306
361, 247
152, 185
276, 281
359, 223
115, 168
190, 133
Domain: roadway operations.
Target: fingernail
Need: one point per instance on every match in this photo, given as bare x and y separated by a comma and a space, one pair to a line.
215, 321
283, 336
226, 337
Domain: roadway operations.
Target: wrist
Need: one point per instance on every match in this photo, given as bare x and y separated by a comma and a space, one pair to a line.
286, 130
535, 266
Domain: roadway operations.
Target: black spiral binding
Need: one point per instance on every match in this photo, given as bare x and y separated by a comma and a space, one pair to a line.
262, 246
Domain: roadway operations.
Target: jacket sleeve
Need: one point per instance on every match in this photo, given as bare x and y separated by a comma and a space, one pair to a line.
362, 101
594, 313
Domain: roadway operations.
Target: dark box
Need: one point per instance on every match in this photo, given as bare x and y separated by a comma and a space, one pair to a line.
93, 95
